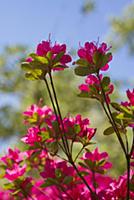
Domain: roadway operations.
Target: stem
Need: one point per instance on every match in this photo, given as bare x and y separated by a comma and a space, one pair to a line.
79, 153
125, 150
51, 98
132, 148
128, 178
65, 142
55, 111
112, 121
58, 108
127, 146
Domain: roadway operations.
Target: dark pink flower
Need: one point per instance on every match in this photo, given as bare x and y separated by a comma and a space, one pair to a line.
90, 49
130, 95
5, 195
42, 114
15, 172
58, 57
99, 159
84, 88
117, 189
92, 86
32, 136
13, 156
84, 131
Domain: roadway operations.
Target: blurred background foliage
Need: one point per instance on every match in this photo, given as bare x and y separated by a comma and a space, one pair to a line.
16, 93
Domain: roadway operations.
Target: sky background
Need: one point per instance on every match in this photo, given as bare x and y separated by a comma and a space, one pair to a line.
30, 21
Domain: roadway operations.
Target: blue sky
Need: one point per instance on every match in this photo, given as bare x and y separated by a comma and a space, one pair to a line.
30, 21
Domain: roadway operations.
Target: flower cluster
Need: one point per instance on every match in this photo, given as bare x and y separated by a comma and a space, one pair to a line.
96, 55
13, 162
92, 87
45, 127
48, 57
48, 168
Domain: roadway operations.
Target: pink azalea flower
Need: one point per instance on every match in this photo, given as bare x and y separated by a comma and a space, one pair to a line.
99, 159
15, 172
93, 81
32, 136
14, 156
51, 193
51, 166
5, 195
44, 113
46, 47
88, 51
84, 130
84, 88
117, 189
130, 95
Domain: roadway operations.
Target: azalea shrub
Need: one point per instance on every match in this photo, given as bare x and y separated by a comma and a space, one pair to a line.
49, 169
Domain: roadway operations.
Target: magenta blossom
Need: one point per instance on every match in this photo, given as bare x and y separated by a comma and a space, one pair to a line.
80, 125
52, 165
117, 189
89, 51
55, 54
15, 172
13, 156
32, 136
38, 114
99, 160
130, 95
6, 195
92, 87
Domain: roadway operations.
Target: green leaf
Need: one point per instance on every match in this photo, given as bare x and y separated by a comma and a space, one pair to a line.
30, 76
84, 71
105, 81
49, 182
77, 128
84, 95
8, 186
83, 165
101, 60
101, 163
45, 135
26, 66
49, 55
89, 163
97, 58
34, 74
109, 131
93, 89
123, 116
82, 62
58, 173
121, 108
105, 58
41, 59
116, 106
58, 57
67, 180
